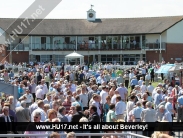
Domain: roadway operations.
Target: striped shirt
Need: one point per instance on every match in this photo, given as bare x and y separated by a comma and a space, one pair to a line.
67, 105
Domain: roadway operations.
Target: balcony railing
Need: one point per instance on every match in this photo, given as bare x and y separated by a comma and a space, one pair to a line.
19, 47
86, 46
154, 46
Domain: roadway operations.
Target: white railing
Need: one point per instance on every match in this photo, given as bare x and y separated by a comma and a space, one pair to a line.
77, 134
95, 67
21, 68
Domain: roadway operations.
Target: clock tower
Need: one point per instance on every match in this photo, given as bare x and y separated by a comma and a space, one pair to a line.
91, 14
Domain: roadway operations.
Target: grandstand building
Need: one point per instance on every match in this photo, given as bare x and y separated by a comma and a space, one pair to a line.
121, 40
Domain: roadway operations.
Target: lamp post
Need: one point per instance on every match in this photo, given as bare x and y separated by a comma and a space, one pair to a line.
160, 54
181, 69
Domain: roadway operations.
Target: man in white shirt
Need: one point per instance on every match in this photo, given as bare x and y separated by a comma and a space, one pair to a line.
131, 75
119, 79
40, 93
119, 108
147, 78
130, 104
103, 95
53, 70
96, 103
48, 99
122, 91
155, 91
29, 97
39, 109
84, 97
87, 75
150, 88
143, 88
113, 99
45, 88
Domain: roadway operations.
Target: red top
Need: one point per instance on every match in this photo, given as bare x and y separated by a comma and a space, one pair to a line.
67, 105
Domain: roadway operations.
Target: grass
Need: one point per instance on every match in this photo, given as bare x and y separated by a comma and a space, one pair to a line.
155, 84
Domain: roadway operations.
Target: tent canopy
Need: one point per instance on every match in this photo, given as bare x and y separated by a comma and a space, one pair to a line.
165, 68
176, 68
74, 55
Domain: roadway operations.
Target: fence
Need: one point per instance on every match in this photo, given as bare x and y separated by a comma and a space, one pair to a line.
77, 134
21, 68
9, 89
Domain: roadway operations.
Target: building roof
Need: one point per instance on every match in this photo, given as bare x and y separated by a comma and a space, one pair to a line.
110, 26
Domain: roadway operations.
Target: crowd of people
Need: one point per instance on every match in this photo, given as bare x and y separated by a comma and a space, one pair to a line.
46, 94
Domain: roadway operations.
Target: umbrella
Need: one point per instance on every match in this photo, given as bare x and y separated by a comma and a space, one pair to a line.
164, 68
175, 68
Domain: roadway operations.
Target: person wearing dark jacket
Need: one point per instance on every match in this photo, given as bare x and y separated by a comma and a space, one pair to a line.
94, 117
78, 115
38, 77
6, 119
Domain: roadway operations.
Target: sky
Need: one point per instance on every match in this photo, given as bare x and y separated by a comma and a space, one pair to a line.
76, 9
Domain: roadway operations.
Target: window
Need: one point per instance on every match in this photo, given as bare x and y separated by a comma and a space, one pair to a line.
59, 58
46, 58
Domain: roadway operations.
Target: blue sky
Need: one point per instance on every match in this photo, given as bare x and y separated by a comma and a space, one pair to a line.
76, 9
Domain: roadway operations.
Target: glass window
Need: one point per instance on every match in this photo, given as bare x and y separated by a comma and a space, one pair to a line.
132, 59
103, 56
103, 59
126, 59
117, 42
109, 59
59, 58
103, 42
143, 41
109, 42
125, 42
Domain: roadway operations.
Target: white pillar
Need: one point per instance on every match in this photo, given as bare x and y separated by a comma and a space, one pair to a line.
112, 42
76, 43
31, 57
99, 41
141, 42
141, 55
31, 43
93, 58
160, 43
160, 54
121, 42
52, 43
65, 60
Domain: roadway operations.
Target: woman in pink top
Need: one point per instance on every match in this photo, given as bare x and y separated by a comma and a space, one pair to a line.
37, 118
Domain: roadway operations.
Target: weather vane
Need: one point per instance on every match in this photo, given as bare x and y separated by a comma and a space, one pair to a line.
92, 6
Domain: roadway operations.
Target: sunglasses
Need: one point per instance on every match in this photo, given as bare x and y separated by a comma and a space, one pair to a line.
36, 117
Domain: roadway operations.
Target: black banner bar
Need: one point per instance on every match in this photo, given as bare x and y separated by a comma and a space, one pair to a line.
126, 126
